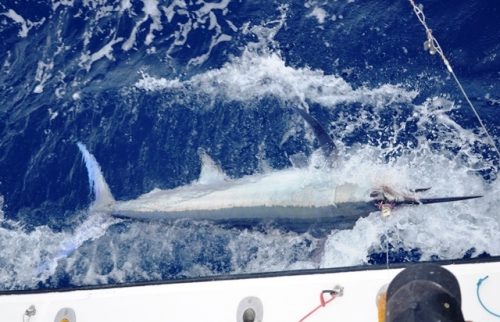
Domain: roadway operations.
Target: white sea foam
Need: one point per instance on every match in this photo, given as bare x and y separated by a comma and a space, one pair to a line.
151, 11
52, 114
87, 59
209, 16
274, 250
187, 249
43, 74
255, 75
125, 5
154, 15
260, 71
468, 224
63, 245
24, 24
31, 257
319, 13
151, 84
66, 3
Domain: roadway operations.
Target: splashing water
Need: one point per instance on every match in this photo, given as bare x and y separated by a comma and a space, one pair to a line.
150, 84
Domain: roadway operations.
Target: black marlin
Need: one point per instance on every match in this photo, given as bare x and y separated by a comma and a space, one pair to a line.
292, 195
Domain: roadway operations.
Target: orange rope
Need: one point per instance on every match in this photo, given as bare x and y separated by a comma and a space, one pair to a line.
323, 303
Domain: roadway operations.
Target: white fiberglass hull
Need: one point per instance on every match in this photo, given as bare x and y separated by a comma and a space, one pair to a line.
287, 296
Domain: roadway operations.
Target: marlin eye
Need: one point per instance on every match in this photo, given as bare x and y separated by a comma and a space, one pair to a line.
376, 194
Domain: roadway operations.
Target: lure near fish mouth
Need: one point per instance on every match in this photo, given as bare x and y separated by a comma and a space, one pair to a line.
308, 196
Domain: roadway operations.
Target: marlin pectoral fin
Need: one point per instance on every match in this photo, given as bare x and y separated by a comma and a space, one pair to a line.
325, 141
426, 201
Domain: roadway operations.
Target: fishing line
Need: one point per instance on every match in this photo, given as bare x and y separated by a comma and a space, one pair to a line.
386, 244
432, 45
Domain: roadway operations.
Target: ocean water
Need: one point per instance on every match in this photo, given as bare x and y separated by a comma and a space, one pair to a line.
146, 85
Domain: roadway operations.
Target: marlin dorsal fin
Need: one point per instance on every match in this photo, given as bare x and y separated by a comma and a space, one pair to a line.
210, 172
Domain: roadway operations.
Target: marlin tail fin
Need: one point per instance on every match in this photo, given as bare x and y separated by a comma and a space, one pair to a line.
102, 195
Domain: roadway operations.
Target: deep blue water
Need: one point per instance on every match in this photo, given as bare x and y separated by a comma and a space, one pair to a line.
95, 72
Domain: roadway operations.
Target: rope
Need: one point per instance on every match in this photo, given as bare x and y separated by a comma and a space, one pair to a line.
323, 302
433, 46
385, 211
479, 282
